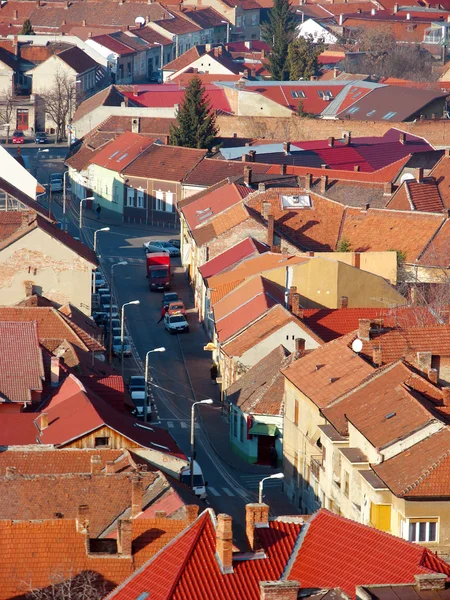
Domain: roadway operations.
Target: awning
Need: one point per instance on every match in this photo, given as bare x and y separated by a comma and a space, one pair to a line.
264, 429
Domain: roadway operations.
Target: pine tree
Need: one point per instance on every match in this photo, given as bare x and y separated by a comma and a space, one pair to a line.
302, 60
196, 123
27, 28
278, 33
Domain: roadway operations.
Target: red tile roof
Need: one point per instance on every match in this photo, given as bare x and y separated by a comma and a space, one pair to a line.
423, 196
312, 102
232, 257
184, 59
355, 553
112, 44
121, 152
21, 366
166, 163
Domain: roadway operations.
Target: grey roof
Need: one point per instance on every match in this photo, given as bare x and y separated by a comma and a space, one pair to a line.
233, 153
333, 108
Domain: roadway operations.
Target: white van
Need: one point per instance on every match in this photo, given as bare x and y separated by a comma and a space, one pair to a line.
139, 398
199, 482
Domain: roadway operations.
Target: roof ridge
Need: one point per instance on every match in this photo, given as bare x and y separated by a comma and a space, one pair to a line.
427, 471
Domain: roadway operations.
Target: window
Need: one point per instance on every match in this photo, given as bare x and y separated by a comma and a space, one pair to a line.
295, 469
346, 483
380, 516
129, 69
101, 441
238, 21
130, 197
296, 413
159, 203
298, 94
120, 72
324, 94
116, 194
169, 202
353, 110
371, 112
389, 115
235, 423
140, 199
254, 19
422, 530
433, 36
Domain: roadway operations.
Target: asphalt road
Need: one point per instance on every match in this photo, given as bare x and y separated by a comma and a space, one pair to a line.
175, 387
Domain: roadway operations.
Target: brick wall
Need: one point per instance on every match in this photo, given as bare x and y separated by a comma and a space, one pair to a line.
294, 128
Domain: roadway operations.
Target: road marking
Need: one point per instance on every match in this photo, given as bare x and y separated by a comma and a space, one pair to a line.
228, 492
213, 491
169, 424
183, 425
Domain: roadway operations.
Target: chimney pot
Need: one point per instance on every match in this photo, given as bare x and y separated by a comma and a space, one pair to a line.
282, 169
96, 464
308, 182
255, 515
388, 188
331, 141
364, 329
402, 138
299, 347
265, 210
296, 309
287, 147
252, 154
224, 543
343, 302
54, 371
395, 8
137, 493
419, 174
83, 22
261, 187
377, 357
125, 537
247, 176
270, 230
279, 590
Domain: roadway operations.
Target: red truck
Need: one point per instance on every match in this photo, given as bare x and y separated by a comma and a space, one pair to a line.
158, 271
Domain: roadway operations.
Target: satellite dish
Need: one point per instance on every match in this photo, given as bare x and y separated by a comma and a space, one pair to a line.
357, 345
139, 21
406, 176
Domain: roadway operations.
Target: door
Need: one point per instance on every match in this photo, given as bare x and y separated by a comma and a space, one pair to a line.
265, 445
22, 119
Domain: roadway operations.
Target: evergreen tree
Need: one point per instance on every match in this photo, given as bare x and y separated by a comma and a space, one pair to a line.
302, 59
196, 123
278, 33
27, 28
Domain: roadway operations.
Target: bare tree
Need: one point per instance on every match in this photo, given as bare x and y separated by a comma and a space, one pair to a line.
7, 108
86, 585
60, 102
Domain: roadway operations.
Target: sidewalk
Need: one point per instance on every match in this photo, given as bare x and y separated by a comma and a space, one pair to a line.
109, 217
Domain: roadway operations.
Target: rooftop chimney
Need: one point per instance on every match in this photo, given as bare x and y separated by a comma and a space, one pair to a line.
54, 371
292, 291
402, 138
308, 182
191, 511
341, 19
430, 581
364, 329
299, 347
124, 537
343, 302
433, 375
42, 421
135, 125
408, 16
373, 12
83, 22
96, 464
388, 188
323, 184
282, 169
256, 515
265, 210
395, 8
347, 138
261, 186
424, 361
331, 141
245, 158
15, 14
296, 309
247, 176
110, 467
377, 356
29, 285
135, 91
419, 174
279, 590
224, 543
287, 147
446, 396
252, 154
137, 493
82, 518
270, 230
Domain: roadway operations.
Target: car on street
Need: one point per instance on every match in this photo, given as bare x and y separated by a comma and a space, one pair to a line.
105, 298
115, 332
18, 137
176, 323
56, 182
99, 280
200, 484
100, 317
169, 297
176, 308
136, 383
117, 346
41, 138
139, 399
166, 247
175, 242
149, 247
115, 323
114, 310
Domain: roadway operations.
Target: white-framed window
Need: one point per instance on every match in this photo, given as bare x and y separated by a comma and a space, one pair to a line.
115, 194
169, 202
140, 199
433, 36
254, 19
159, 200
130, 197
422, 530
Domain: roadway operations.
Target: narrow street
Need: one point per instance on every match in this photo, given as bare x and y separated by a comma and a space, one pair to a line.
180, 375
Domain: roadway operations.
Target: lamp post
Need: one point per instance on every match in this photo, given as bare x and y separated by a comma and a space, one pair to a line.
191, 461
123, 262
261, 484
162, 349
95, 237
64, 200
80, 220
122, 323
69, 137
227, 23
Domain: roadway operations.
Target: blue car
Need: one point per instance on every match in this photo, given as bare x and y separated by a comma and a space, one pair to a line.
41, 138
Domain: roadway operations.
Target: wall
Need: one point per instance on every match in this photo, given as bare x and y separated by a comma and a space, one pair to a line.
248, 448
383, 264
251, 104
104, 182
58, 273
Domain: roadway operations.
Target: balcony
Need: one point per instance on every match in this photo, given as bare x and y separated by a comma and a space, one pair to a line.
316, 466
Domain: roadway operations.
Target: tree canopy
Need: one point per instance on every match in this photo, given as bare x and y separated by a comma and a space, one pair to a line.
196, 122
278, 32
302, 59
27, 28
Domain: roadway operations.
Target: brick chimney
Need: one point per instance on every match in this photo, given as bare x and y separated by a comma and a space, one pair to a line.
135, 91
282, 169
430, 581
308, 182
377, 356
96, 464
245, 158
356, 168
287, 147
292, 291
331, 141
296, 309
29, 285
388, 188
343, 302
279, 590
110, 467
252, 154
15, 15
419, 174
256, 515
42, 421
82, 520
446, 396
265, 210
10, 472
247, 176
191, 511
364, 329
224, 543
54, 371
261, 186
433, 375
347, 138
299, 347
135, 124
402, 138
424, 361
124, 537
323, 184
137, 493
270, 230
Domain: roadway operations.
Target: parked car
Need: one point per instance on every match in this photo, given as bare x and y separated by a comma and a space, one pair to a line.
200, 484
41, 138
117, 346
139, 399
115, 323
166, 247
169, 297
136, 383
175, 243
149, 247
99, 280
56, 182
114, 310
100, 317
115, 332
105, 298
18, 137
176, 323
176, 308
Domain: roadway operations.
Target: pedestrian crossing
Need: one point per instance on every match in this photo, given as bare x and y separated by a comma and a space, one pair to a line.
251, 482
130, 261
173, 424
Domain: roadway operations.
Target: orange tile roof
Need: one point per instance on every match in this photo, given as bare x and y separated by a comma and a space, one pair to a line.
422, 471
152, 535
272, 320
386, 407
223, 222
328, 372
166, 163
423, 196
437, 252
441, 172
122, 151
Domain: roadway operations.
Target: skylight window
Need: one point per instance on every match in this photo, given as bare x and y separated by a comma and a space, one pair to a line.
114, 154
371, 112
122, 157
353, 110
303, 201
204, 214
356, 94
389, 115
325, 94
298, 94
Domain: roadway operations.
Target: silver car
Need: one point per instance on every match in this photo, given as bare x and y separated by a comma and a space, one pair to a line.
176, 323
117, 346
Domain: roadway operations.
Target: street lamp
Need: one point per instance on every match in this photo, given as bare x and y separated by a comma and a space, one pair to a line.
95, 237
69, 137
80, 221
122, 322
191, 461
261, 483
64, 200
111, 279
227, 23
162, 349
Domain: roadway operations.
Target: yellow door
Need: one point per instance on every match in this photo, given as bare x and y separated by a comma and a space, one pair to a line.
380, 516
